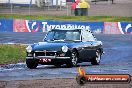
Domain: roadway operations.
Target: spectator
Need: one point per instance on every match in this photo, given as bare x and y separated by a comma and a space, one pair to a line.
74, 11
84, 7
73, 7
78, 9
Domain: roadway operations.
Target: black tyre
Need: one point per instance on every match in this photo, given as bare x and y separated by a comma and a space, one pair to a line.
74, 60
31, 63
96, 60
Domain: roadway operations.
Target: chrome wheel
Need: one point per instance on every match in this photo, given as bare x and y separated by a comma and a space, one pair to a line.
73, 61
98, 57
96, 60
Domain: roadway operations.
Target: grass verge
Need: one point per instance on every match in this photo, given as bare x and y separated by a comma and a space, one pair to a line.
68, 18
12, 53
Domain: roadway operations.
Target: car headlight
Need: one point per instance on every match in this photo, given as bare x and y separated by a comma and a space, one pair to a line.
64, 49
29, 49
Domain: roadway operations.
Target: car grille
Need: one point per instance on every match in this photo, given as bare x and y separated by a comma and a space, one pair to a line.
46, 53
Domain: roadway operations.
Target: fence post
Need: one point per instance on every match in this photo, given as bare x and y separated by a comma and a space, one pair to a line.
11, 8
30, 7
29, 11
67, 9
60, 5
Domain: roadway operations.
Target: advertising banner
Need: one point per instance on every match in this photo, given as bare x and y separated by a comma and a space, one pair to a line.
117, 27
125, 27
6, 25
17, 25
47, 25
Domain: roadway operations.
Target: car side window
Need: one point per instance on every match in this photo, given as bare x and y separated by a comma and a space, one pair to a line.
73, 36
87, 36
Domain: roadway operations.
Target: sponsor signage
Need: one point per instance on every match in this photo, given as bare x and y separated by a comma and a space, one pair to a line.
83, 78
17, 25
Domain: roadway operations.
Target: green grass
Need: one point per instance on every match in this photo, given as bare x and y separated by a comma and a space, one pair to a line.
12, 53
68, 18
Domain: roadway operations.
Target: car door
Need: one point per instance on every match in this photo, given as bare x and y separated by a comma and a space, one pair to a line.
87, 42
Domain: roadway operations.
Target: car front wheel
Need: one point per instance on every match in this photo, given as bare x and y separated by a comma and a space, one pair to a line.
96, 60
31, 63
73, 61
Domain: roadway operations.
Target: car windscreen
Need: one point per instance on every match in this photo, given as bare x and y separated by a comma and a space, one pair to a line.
63, 35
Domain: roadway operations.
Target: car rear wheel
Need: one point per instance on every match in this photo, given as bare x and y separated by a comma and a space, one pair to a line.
96, 60
31, 63
74, 60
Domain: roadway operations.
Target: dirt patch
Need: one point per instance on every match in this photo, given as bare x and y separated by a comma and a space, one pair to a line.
56, 83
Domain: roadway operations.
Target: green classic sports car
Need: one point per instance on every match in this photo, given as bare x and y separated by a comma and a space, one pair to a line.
65, 46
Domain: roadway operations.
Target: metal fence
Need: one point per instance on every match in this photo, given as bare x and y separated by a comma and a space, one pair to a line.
101, 8
48, 8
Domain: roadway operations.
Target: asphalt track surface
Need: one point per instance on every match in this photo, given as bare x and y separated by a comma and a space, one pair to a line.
116, 60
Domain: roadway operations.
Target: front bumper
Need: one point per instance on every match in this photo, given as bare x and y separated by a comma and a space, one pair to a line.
47, 57
49, 60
